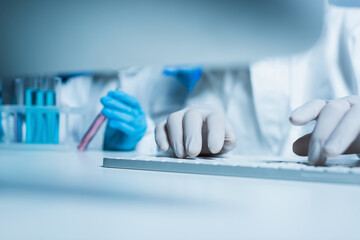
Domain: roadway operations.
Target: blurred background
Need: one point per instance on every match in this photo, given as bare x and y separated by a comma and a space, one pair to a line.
45, 40
46, 37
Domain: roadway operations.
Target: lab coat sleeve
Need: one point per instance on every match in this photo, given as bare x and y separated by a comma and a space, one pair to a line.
139, 82
147, 144
354, 49
84, 92
208, 91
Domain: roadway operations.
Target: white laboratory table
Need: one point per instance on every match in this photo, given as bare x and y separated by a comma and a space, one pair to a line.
68, 195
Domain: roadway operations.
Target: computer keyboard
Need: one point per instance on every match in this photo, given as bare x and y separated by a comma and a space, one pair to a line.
335, 171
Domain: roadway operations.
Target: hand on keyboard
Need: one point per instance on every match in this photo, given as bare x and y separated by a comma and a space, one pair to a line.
195, 131
336, 131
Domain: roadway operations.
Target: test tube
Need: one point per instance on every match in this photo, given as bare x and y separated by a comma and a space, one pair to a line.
42, 113
53, 114
57, 89
40, 116
1, 127
30, 115
18, 115
84, 142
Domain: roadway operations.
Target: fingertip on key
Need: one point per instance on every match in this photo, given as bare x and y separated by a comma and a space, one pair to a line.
192, 152
330, 151
180, 155
316, 156
164, 147
193, 147
215, 142
214, 149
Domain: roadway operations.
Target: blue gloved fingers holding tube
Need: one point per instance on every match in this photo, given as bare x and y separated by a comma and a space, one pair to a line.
187, 75
121, 101
126, 121
123, 97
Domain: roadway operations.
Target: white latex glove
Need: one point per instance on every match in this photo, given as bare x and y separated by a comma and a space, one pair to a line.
336, 131
195, 131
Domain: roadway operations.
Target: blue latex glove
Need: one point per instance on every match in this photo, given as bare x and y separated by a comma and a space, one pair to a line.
126, 121
187, 75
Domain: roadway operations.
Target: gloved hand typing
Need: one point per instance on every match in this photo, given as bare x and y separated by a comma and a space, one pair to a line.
126, 121
195, 131
336, 131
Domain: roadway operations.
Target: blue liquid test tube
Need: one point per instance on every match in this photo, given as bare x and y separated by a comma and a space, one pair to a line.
30, 100
30, 115
41, 121
19, 115
57, 89
52, 119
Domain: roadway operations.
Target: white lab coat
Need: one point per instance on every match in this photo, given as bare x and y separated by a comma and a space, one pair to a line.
258, 100
83, 92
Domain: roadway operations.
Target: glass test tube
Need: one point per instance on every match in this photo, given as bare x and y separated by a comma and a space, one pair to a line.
19, 115
1, 125
42, 113
57, 89
30, 115
52, 116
